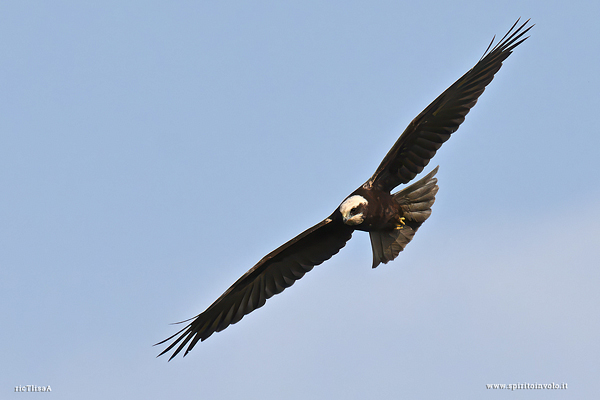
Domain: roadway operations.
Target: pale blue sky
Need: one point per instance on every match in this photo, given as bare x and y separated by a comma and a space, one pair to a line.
151, 153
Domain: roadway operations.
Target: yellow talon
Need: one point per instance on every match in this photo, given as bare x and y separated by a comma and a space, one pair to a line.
401, 221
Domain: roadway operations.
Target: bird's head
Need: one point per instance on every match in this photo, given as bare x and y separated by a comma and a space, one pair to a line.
353, 210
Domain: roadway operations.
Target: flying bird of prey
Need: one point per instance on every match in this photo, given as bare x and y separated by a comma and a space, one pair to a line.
390, 218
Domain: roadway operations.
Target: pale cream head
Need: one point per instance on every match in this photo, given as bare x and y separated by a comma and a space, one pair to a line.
352, 210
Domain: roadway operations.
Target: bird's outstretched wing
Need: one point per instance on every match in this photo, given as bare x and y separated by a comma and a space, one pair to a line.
271, 275
434, 125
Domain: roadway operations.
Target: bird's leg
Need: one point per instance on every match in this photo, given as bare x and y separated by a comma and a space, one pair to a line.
401, 222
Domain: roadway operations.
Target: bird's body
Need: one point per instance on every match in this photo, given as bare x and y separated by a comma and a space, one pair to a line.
390, 218
379, 210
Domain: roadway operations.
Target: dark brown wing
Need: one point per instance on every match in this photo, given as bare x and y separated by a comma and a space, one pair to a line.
426, 133
275, 272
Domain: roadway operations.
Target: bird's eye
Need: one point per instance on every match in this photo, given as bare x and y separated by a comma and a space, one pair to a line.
354, 211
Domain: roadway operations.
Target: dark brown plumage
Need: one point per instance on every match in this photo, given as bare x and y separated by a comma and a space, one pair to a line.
433, 126
390, 219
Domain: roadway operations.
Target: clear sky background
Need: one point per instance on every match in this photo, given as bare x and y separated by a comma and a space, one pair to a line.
151, 153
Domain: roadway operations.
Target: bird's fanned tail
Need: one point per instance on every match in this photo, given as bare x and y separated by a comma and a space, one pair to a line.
415, 202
